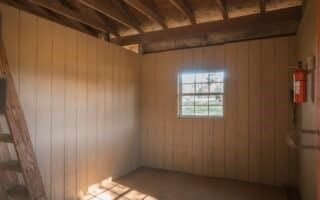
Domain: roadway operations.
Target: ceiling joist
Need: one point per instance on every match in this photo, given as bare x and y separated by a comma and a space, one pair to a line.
59, 9
124, 9
184, 9
104, 17
147, 11
277, 23
223, 8
45, 13
103, 8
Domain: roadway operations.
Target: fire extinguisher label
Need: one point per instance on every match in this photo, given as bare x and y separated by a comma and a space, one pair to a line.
297, 87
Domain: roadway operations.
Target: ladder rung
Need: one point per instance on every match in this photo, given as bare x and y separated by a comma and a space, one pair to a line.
11, 165
6, 138
18, 190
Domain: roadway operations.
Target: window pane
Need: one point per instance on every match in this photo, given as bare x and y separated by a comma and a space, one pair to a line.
216, 111
202, 77
216, 99
201, 100
201, 110
187, 88
216, 87
199, 94
187, 100
188, 78
202, 88
216, 77
187, 110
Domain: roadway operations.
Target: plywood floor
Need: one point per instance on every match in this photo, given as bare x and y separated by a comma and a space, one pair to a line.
153, 184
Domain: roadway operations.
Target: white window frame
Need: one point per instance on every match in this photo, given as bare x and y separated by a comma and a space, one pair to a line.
180, 95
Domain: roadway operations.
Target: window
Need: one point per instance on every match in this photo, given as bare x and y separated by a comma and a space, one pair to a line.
201, 94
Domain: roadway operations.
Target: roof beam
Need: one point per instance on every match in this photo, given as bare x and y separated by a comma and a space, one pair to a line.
124, 9
246, 25
59, 9
85, 11
42, 12
262, 6
184, 9
147, 11
103, 8
223, 8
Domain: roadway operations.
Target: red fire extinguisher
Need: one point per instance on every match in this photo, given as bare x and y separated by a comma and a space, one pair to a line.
299, 85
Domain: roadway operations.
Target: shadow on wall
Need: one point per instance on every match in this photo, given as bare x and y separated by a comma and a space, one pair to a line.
109, 190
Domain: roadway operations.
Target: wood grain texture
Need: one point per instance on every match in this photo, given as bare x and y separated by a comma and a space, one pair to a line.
7, 179
13, 28
65, 81
149, 12
255, 26
184, 9
70, 113
20, 134
254, 110
105, 9
248, 142
44, 75
189, 187
268, 111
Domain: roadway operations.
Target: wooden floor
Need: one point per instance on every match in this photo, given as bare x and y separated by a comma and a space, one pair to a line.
152, 184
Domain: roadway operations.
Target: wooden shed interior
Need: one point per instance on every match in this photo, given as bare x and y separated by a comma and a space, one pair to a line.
159, 99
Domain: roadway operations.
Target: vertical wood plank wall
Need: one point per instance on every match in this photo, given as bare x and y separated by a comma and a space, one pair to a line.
248, 143
80, 97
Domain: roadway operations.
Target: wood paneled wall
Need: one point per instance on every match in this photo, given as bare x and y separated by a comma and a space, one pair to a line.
80, 97
248, 143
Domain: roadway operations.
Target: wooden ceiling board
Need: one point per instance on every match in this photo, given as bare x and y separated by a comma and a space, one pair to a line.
161, 15
112, 10
172, 16
238, 8
280, 4
146, 24
149, 9
205, 10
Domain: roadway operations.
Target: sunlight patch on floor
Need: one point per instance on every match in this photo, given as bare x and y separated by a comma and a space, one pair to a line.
110, 190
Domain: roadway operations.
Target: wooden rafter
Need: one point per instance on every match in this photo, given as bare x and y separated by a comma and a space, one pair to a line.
147, 11
262, 6
223, 8
59, 9
124, 9
277, 22
96, 16
45, 13
184, 9
103, 8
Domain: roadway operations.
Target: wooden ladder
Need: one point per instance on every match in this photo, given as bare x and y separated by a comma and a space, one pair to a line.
19, 137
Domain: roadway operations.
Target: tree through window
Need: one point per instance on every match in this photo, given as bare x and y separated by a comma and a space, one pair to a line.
201, 94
